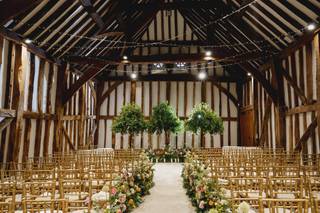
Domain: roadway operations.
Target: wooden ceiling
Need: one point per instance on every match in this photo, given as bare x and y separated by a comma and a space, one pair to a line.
108, 29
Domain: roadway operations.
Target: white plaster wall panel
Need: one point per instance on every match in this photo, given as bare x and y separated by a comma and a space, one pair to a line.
101, 138
273, 126
305, 71
25, 62
137, 141
112, 102
209, 93
288, 133
188, 139
314, 67
190, 97
154, 97
109, 134
173, 95
54, 88
119, 98
216, 141
163, 87
35, 85
225, 133
216, 94
128, 92
234, 133
139, 94
51, 138
146, 93
32, 138
181, 99
197, 98
42, 138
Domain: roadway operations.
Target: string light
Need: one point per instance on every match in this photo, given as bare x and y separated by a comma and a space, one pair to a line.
249, 74
181, 64
125, 57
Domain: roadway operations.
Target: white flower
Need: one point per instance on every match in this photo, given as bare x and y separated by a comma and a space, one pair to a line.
244, 207
101, 196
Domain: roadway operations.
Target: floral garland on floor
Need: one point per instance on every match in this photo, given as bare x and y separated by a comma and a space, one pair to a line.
128, 190
204, 192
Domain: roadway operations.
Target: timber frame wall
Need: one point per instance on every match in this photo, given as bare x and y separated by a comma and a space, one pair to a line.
298, 114
33, 121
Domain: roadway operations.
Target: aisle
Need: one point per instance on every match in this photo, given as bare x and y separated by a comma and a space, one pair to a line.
168, 194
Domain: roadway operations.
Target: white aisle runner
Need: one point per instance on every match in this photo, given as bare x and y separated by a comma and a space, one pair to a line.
168, 194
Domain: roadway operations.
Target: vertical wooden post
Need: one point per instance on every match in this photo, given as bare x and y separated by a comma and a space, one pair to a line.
17, 103
239, 88
280, 119
61, 77
82, 100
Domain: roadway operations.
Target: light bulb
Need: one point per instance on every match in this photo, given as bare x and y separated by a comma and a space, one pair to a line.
28, 41
202, 75
133, 75
311, 27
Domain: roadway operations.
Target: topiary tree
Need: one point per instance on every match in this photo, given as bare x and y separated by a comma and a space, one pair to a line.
130, 121
164, 119
203, 120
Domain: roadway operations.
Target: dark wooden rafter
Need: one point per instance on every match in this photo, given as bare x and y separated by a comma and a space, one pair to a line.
294, 85
4, 123
88, 6
12, 36
89, 74
108, 92
12, 8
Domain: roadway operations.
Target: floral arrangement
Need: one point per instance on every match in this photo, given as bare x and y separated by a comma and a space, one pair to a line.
204, 192
168, 154
128, 190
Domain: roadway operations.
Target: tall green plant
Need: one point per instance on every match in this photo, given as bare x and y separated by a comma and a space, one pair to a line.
130, 121
164, 119
203, 120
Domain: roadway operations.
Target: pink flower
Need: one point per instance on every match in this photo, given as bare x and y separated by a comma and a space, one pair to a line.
113, 191
201, 204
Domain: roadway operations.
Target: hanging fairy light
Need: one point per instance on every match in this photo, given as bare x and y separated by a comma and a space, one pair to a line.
208, 56
311, 26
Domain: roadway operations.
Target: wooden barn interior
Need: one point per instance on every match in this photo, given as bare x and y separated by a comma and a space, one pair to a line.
67, 67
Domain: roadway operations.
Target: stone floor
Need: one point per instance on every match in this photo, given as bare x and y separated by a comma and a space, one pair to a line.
168, 194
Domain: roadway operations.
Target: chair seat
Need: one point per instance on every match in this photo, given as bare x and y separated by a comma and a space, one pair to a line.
76, 196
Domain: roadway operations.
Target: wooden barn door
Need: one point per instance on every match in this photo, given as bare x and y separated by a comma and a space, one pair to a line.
246, 126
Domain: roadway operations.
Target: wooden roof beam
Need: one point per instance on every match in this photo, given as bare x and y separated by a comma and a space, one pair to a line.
88, 6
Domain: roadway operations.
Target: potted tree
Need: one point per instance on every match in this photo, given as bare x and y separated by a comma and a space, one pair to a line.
203, 120
164, 120
130, 121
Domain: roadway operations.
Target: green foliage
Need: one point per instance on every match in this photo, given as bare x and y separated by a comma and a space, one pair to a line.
164, 119
203, 119
130, 120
